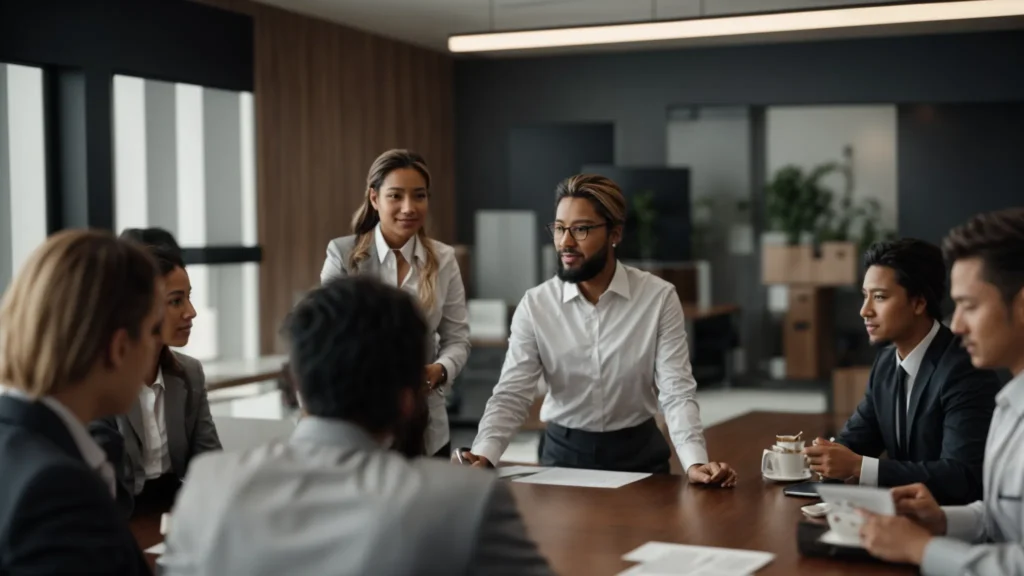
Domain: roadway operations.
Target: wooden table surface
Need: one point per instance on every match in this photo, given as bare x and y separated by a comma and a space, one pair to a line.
586, 531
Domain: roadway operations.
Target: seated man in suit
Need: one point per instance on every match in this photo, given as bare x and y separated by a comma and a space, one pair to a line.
333, 499
77, 327
987, 536
926, 406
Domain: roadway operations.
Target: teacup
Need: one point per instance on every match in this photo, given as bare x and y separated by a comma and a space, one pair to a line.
790, 443
783, 464
845, 522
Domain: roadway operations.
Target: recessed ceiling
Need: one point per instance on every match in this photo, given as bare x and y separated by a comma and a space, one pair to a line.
428, 23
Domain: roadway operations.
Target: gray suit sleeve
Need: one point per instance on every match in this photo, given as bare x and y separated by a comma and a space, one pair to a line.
204, 436
334, 266
504, 547
949, 557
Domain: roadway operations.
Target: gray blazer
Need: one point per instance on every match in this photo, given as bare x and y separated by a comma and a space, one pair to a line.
447, 322
190, 429
331, 500
987, 536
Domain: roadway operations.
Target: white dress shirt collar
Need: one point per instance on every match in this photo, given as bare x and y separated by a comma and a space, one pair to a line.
1012, 394
619, 285
412, 250
912, 363
94, 456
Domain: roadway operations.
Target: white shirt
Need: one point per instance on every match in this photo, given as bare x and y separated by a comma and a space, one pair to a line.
601, 362
94, 456
447, 322
987, 536
156, 457
911, 365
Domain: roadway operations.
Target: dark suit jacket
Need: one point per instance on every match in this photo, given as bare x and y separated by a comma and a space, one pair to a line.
190, 429
949, 413
56, 514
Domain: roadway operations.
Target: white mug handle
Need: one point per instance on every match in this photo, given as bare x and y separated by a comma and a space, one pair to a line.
768, 462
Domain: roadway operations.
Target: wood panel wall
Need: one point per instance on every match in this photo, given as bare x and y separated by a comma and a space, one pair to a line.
328, 100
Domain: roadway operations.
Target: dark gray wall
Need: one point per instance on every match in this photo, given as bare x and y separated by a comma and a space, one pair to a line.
634, 90
956, 160
540, 156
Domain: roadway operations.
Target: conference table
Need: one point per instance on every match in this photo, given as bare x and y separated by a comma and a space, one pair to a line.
586, 531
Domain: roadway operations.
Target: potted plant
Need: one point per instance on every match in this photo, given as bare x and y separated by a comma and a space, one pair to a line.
795, 202
839, 223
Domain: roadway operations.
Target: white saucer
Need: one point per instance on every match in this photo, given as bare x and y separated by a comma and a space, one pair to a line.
818, 510
805, 476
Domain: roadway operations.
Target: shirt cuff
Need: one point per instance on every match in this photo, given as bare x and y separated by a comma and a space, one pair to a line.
961, 522
690, 454
489, 449
449, 368
945, 557
869, 471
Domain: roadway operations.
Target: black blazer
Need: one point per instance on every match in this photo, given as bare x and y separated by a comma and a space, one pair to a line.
948, 414
56, 514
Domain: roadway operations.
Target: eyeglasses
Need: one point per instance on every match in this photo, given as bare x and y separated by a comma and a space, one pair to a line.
579, 233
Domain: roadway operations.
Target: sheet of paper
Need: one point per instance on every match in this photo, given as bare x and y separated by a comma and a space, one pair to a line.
156, 550
583, 478
507, 471
661, 558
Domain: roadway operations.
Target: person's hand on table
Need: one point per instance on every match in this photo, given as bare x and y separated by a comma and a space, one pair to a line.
916, 502
894, 538
473, 459
712, 473
833, 460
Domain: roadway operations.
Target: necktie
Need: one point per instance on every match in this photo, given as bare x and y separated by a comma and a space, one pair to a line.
901, 408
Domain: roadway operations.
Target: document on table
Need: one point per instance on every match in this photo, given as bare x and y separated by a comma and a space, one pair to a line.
583, 478
665, 559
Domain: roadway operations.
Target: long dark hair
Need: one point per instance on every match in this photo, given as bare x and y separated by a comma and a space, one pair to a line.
165, 250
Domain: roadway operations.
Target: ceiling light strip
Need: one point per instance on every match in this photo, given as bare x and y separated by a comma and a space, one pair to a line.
736, 25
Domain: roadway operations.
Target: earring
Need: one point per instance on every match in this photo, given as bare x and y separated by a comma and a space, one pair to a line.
614, 245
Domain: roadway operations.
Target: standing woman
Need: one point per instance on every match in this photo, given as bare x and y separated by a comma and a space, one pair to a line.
170, 422
390, 243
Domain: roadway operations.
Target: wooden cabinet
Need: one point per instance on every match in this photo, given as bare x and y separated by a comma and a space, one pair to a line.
835, 266
807, 335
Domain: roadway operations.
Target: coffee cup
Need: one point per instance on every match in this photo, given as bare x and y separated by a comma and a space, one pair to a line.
845, 522
783, 464
790, 443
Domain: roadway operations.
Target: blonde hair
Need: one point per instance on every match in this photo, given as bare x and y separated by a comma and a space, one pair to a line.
603, 193
60, 313
366, 219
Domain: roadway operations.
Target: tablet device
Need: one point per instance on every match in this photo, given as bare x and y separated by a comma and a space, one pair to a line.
802, 490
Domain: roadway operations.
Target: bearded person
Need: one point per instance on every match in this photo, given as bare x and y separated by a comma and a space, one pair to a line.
610, 341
